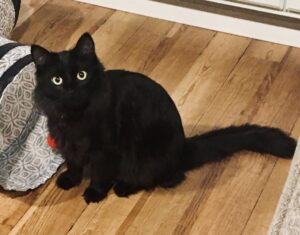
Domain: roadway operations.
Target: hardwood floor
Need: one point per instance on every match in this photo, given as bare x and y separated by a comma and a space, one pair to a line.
216, 80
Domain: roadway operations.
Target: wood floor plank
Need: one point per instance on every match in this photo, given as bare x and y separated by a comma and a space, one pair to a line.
172, 69
52, 213
241, 93
13, 206
284, 91
137, 49
251, 173
263, 212
61, 28
215, 79
105, 218
112, 36
272, 52
230, 224
228, 103
280, 104
296, 129
204, 80
28, 8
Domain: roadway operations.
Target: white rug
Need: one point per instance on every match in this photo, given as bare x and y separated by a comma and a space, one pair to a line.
286, 220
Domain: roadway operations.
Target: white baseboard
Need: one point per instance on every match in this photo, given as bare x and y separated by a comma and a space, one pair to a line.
206, 20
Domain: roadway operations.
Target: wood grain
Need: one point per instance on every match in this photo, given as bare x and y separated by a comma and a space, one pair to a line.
245, 176
65, 21
286, 82
28, 8
13, 208
204, 80
215, 79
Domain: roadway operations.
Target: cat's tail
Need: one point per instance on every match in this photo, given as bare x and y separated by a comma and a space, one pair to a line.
219, 144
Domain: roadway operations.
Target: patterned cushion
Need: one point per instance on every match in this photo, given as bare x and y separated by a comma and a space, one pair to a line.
26, 161
8, 16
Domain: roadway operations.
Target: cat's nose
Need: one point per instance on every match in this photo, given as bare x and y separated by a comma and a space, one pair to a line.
71, 93
69, 87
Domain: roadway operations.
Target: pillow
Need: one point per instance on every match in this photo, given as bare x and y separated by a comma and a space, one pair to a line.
26, 160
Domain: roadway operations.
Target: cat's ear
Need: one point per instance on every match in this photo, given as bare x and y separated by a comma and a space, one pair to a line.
85, 45
39, 55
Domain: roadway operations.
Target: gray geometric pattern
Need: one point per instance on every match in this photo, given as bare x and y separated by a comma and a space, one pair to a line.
26, 160
12, 56
7, 14
287, 217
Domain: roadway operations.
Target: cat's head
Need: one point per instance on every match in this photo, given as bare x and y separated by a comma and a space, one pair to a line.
67, 80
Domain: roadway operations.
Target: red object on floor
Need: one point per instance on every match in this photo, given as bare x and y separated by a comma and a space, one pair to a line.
51, 142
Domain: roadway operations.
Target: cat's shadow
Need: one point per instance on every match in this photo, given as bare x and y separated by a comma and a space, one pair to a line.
205, 177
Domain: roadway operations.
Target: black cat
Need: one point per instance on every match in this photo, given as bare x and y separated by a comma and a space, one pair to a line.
126, 126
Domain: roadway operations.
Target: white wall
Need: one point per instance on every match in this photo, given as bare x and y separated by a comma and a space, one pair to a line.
207, 20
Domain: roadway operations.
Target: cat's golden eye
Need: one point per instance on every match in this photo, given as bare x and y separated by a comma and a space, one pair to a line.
82, 75
57, 80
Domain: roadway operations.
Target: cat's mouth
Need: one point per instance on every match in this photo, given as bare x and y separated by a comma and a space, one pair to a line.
71, 113
78, 107
75, 103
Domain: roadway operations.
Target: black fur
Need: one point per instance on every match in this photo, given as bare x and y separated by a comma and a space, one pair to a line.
127, 127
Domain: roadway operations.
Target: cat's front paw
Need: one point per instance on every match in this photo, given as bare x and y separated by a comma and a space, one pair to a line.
66, 181
122, 189
93, 195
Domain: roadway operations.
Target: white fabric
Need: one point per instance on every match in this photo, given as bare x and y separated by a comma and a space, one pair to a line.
26, 161
7, 16
286, 220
